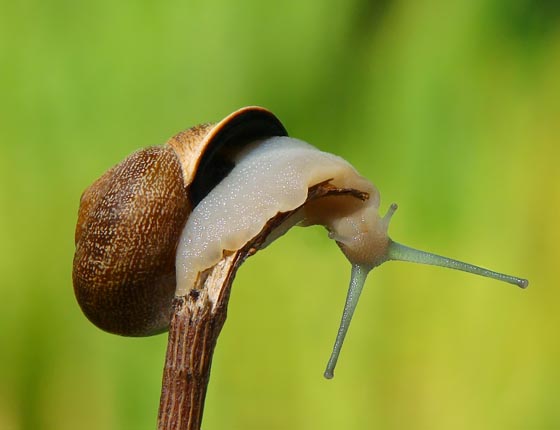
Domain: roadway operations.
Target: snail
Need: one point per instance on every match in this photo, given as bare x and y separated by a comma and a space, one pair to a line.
152, 224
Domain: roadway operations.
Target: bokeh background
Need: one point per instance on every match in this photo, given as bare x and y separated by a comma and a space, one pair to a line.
451, 108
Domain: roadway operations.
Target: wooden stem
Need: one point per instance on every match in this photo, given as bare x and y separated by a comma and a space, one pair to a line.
196, 322
193, 332
187, 367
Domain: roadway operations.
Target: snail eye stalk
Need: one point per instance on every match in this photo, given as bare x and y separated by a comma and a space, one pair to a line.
398, 252
357, 281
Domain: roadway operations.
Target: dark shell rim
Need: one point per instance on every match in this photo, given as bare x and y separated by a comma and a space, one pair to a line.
239, 128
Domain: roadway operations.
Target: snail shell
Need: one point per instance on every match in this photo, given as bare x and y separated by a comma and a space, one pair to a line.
131, 218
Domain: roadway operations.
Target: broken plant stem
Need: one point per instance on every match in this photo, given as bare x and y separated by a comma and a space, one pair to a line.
197, 320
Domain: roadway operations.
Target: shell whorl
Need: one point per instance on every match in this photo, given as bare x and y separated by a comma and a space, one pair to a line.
128, 225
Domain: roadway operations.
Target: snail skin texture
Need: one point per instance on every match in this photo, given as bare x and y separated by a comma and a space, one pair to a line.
269, 177
273, 175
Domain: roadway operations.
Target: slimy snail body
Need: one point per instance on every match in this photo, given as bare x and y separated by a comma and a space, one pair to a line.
230, 180
270, 176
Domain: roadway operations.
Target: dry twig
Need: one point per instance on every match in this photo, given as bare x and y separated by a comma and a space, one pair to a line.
196, 324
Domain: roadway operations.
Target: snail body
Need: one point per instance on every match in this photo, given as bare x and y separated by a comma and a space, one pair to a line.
149, 226
271, 176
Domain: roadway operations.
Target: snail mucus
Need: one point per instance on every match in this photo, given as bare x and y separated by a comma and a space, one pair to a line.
152, 224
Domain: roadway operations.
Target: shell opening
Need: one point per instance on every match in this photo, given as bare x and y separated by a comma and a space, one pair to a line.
228, 138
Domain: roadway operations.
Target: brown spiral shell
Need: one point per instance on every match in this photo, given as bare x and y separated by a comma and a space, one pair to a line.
131, 218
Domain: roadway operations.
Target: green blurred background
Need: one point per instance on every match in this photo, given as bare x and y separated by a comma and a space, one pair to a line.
451, 108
